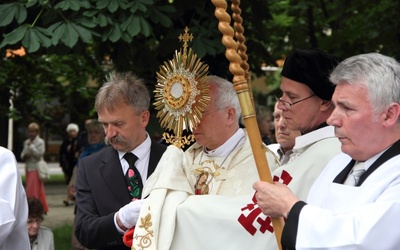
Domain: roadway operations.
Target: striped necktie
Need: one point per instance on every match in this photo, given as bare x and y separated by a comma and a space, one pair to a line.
355, 174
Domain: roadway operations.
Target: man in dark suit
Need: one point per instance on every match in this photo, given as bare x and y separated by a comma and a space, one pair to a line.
105, 207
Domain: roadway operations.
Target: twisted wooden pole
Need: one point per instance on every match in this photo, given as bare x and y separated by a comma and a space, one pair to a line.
236, 54
240, 39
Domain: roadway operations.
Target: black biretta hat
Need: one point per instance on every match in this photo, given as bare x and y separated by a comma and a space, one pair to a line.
312, 68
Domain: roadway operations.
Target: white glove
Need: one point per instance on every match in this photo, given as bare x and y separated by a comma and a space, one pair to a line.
129, 214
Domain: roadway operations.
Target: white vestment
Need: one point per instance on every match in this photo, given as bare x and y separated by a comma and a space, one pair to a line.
311, 153
347, 217
173, 183
225, 222
13, 205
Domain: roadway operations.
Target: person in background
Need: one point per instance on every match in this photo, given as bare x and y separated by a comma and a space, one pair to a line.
95, 142
69, 154
32, 153
13, 205
264, 121
83, 136
355, 202
41, 238
95, 137
284, 136
106, 204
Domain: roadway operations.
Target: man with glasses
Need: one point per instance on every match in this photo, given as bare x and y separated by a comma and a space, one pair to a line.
306, 105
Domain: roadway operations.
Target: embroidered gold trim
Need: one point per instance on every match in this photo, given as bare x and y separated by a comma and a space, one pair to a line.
145, 241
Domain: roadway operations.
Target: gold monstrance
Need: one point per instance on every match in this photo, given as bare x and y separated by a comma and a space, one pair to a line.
182, 93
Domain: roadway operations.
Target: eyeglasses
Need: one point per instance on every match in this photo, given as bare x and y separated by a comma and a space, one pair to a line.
289, 105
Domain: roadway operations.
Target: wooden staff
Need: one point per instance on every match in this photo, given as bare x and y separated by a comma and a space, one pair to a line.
237, 67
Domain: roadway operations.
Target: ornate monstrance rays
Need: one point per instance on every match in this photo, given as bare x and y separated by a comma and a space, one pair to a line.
182, 93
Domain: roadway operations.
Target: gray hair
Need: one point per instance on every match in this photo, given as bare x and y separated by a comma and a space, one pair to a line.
225, 94
34, 126
378, 73
123, 87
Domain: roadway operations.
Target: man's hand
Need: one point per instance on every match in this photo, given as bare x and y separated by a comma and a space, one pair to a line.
275, 200
129, 214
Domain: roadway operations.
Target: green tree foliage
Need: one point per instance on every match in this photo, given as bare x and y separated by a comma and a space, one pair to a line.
342, 27
70, 41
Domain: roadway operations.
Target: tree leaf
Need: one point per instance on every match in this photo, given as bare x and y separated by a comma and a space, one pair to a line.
90, 13
53, 27
58, 34
21, 14
126, 23
31, 3
83, 33
85, 4
7, 15
70, 36
145, 27
115, 34
75, 5
87, 22
31, 41
134, 28
102, 20
138, 6
63, 5
113, 6
126, 37
72, 5
14, 36
42, 35
102, 4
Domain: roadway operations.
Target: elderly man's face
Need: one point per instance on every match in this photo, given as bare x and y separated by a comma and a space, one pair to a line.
284, 136
215, 126
355, 124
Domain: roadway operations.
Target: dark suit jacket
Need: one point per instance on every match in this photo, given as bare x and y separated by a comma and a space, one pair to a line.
101, 192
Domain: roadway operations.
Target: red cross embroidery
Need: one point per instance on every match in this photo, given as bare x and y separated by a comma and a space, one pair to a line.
285, 177
255, 215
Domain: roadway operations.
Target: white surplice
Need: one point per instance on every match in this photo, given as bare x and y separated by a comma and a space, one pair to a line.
13, 205
345, 217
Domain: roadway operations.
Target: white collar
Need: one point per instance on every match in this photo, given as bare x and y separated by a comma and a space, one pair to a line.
313, 136
235, 141
140, 151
